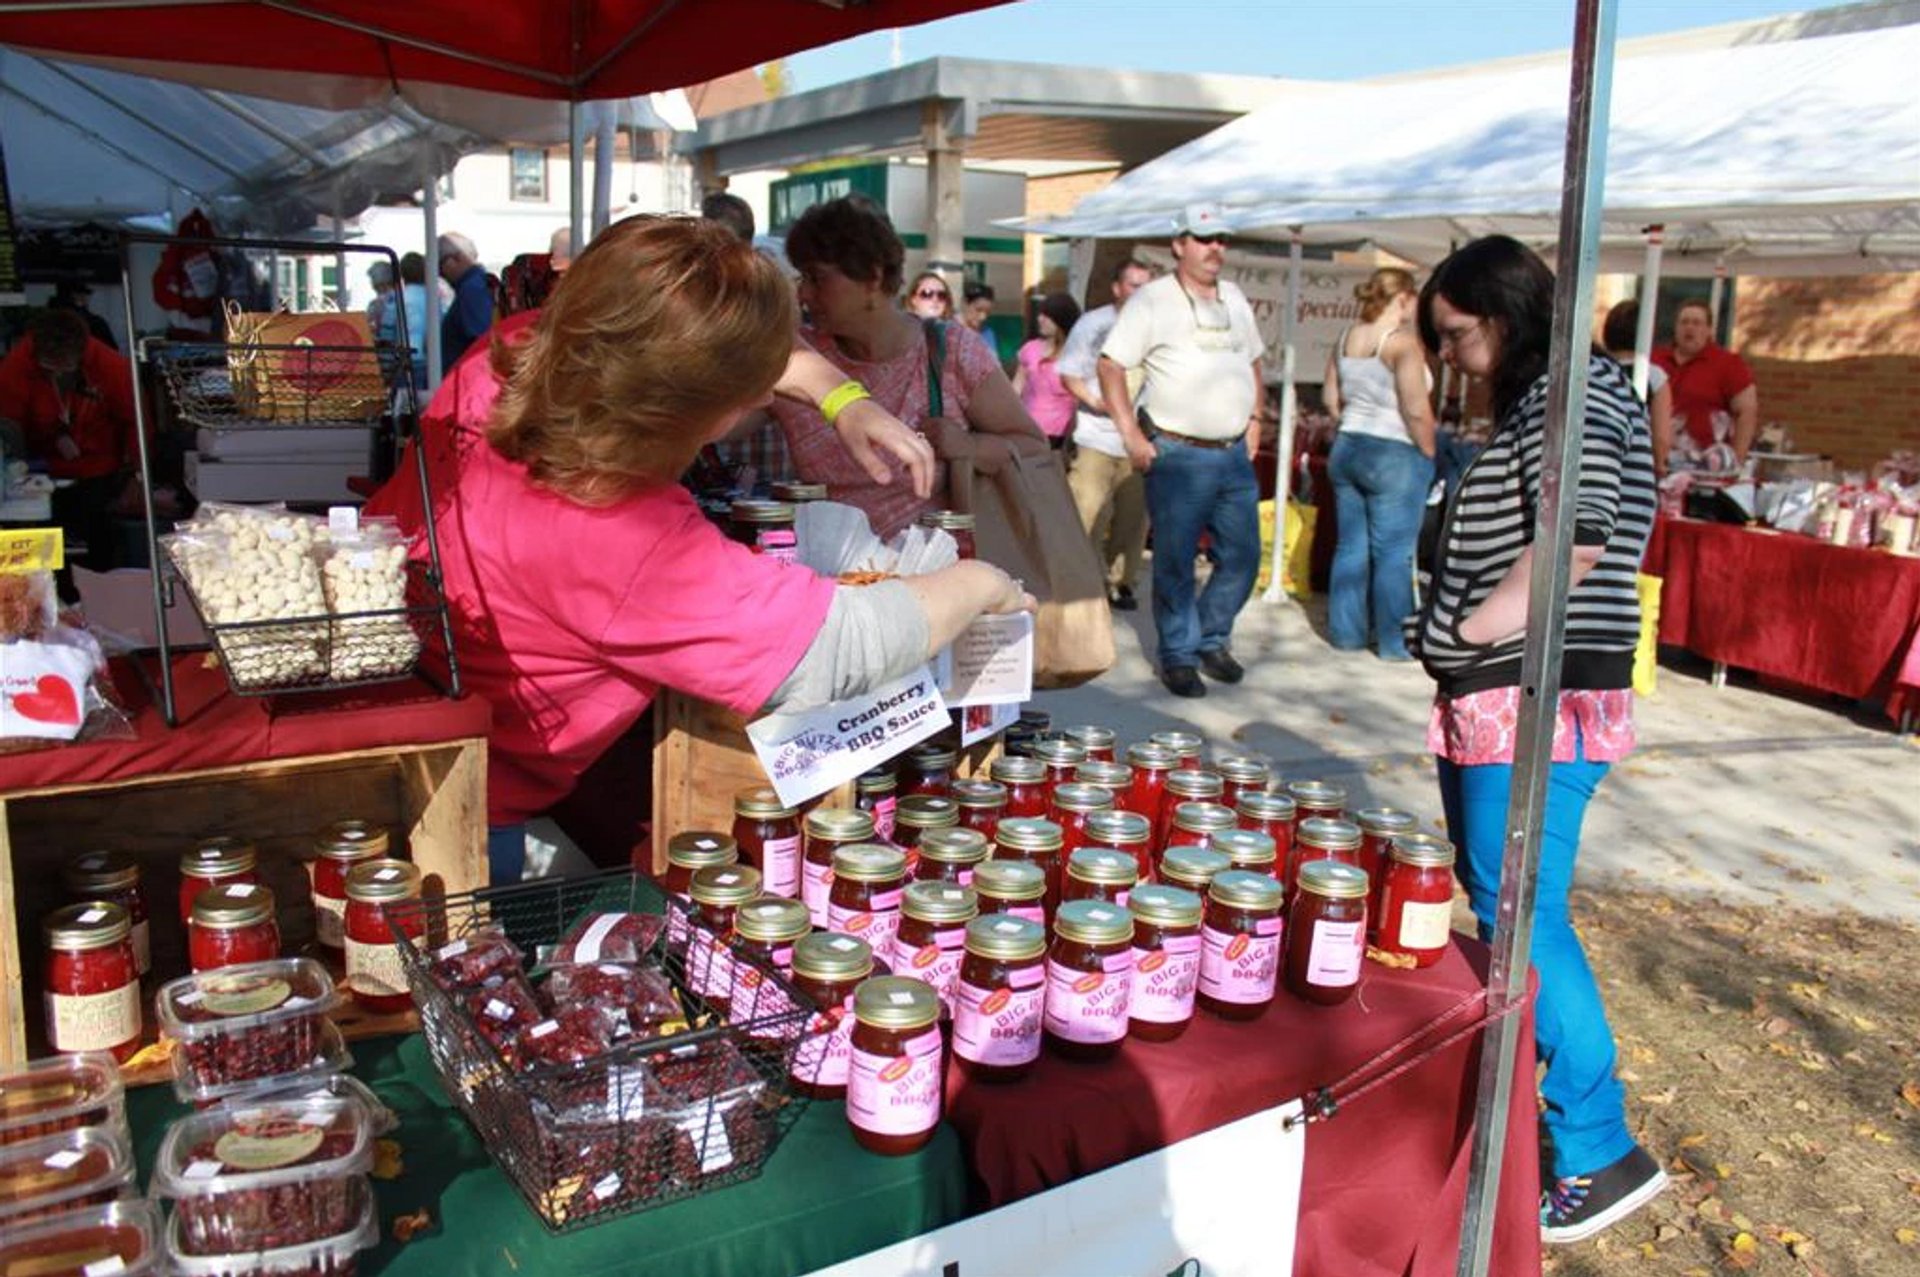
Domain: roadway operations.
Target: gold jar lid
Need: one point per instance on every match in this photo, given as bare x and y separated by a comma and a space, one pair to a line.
1099, 865
869, 862
840, 824
761, 803
1028, 833
933, 757
1385, 822
219, 857
1204, 818
1005, 938
350, 840
700, 848
1153, 757
926, 811
1011, 770
1261, 805
1243, 770
1077, 797
1090, 737
1246, 847
235, 904
91, 872
954, 846
1056, 752
91, 924
976, 795
947, 520
1427, 851
1009, 880
895, 1002
1328, 834
1191, 782
938, 902
1193, 867
1112, 776
757, 513
1333, 879
1182, 743
881, 780
724, 885
1093, 922
1317, 793
831, 957
1239, 889
383, 880
799, 493
1160, 905
771, 920
1120, 828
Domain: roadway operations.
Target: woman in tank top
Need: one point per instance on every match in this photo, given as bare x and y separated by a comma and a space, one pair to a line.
1377, 384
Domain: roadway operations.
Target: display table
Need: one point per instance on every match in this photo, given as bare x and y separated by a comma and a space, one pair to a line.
1832, 618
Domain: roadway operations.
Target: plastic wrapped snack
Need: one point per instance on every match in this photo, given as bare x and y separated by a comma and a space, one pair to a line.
87, 1166
59, 1094
711, 1111
365, 570
630, 999
565, 1052
239, 1024
252, 565
473, 959
502, 1009
609, 937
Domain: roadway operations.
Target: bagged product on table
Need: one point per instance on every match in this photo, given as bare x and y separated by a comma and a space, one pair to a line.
53, 676
365, 570
608, 937
247, 564
631, 1000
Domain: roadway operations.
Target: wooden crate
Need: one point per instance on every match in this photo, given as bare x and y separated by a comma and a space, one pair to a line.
434, 796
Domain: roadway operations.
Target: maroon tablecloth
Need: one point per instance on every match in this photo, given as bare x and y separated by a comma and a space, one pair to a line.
1386, 1178
1828, 617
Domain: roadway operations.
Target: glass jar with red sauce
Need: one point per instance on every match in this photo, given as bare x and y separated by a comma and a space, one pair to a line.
828, 829
1379, 826
827, 968
1190, 747
877, 794
1193, 868
1327, 932
955, 524
998, 1005
232, 923
1322, 838
1124, 832
717, 893
932, 938
1097, 741
114, 876
1073, 805
765, 929
928, 769
1241, 774
1035, 722
767, 832
1240, 945
375, 974
1115, 778
92, 985
1415, 914
1089, 980
1270, 814
339, 847
1184, 785
1250, 850
688, 852
1166, 961
1196, 823
765, 527
1016, 887
1316, 798
919, 813
982, 803
1151, 764
1061, 758
896, 1085
864, 901
798, 493
1039, 842
1026, 782
211, 862
951, 855
1099, 873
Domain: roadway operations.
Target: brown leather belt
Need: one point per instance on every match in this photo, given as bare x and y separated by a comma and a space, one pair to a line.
1163, 433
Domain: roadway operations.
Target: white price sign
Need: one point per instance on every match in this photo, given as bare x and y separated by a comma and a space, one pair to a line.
991, 663
808, 753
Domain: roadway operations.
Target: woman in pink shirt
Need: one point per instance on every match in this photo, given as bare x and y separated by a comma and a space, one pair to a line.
1037, 379
581, 577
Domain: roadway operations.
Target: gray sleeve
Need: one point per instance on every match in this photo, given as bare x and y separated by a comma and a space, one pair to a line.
873, 634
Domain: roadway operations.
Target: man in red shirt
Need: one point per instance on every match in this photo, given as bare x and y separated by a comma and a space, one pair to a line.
1707, 378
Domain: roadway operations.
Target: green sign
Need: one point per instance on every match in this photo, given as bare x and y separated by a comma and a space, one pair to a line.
792, 196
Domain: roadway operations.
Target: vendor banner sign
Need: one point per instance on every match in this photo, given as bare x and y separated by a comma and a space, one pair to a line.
808, 753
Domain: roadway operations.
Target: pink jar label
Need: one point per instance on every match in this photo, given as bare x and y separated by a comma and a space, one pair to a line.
756, 996
1164, 980
877, 924
816, 884
779, 545
1237, 967
709, 965
936, 964
781, 867
1338, 949
821, 1055
1000, 1026
896, 1094
883, 818
678, 928
1089, 1006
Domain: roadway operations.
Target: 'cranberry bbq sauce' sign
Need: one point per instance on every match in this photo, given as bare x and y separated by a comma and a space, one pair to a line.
808, 753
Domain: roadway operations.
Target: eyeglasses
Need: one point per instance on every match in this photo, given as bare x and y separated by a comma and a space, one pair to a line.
933, 295
1459, 337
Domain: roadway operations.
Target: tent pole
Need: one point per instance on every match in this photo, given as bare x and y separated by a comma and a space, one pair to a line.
1283, 462
603, 147
430, 210
576, 176
1649, 303
1580, 224
1718, 295
339, 254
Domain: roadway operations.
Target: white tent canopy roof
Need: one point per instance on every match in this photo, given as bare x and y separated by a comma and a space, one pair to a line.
1800, 157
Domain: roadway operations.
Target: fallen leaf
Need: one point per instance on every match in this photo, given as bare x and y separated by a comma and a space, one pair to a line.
1905, 1236
1722, 1170
1862, 1023
1777, 1026
1660, 1097
1910, 1092
386, 1160
406, 1227
1666, 1233
1743, 1251
1694, 1140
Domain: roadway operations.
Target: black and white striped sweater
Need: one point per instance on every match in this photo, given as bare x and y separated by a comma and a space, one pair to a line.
1490, 521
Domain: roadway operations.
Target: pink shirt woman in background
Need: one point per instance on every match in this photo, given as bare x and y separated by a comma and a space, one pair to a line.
1050, 404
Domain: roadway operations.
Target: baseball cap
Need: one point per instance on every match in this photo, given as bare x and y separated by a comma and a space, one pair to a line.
1201, 219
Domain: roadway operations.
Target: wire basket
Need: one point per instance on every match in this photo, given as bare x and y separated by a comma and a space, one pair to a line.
647, 1122
229, 387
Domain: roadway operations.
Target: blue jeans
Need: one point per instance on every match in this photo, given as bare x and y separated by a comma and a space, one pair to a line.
1380, 494
506, 854
1190, 491
1585, 1103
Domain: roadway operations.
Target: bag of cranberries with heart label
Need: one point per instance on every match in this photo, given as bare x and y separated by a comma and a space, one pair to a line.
53, 675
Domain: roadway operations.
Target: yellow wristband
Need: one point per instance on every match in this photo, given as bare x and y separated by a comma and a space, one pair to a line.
840, 397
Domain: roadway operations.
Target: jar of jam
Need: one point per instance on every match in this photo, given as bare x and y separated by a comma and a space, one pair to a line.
375, 974
982, 803
1196, 823
1184, 785
1166, 961
1327, 932
1040, 842
917, 814
828, 829
1272, 815
933, 935
1378, 827
717, 892
1322, 838
998, 1006
688, 852
1193, 868
1097, 741
1240, 774
955, 524
231, 924
1115, 778
876, 793
929, 770
1189, 747
1313, 798
92, 986
1416, 898
1240, 945
1248, 850
765, 930
339, 847
1026, 782
1089, 980
114, 876
864, 900
1016, 887
765, 527
1061, 758
827, 968
1100, 873
951, 855
1073, 804
799, 493
1126, 833
767, 831
896, 1084
213, 861
1151, 764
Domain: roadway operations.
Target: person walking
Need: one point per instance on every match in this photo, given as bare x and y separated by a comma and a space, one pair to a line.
930, 298
471, 313
1036, 376
1109, 494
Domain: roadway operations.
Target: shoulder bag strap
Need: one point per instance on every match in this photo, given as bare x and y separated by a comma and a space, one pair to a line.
936, 360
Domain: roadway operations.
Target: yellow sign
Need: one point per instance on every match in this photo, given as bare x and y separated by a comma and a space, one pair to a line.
33, 550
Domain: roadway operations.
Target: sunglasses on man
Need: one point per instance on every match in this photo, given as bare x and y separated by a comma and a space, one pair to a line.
1208, 239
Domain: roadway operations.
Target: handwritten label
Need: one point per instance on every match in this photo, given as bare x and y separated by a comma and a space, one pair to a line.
991, 663
808, 753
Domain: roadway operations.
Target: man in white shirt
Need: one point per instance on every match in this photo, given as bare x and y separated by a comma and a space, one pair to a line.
1194, 436
1108, 492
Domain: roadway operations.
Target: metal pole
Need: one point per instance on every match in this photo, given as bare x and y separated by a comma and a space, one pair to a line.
1283, 463
603, 148
1649, 303
1582, 184
430, 210
1718, 295
576, 177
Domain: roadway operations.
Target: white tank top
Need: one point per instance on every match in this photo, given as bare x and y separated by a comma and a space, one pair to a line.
1369, 404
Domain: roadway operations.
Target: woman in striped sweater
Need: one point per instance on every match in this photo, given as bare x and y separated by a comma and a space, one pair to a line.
1488, 311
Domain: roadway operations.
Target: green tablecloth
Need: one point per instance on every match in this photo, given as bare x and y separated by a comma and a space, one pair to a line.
820, 1200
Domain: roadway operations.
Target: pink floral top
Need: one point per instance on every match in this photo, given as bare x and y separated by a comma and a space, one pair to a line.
1479, 728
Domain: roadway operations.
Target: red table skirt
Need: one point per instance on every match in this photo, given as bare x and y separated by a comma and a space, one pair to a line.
1386, 1178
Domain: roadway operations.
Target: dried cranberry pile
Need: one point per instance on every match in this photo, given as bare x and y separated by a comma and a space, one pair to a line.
609, 937
501, 1009
266, 1050
101, 1116
629, 999
472, 960
289, 1213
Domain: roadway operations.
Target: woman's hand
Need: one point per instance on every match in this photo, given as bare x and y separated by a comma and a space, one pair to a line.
867, 429
952, 440
1012, 596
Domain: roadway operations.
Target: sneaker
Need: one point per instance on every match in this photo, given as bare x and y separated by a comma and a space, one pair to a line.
1221, 665
1121, 599
1183, 680
1578, 1206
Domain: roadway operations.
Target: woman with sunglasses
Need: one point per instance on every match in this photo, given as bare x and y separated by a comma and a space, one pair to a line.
1488, 311
930, 298
1036, 377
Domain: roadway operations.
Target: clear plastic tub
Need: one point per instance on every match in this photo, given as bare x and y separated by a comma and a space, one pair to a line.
122, 1238
87, 1166
334, 1086
330, 1056
44, 1097
260, 1176
240, 1024
328, 1257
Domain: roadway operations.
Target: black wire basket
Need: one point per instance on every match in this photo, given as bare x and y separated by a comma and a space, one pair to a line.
646, 1121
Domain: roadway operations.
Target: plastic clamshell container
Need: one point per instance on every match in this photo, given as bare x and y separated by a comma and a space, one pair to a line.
323, 1258
59, 1093
122, 1239
335, 1086
242, 1023
331, 1056
266, 1175
86, 1166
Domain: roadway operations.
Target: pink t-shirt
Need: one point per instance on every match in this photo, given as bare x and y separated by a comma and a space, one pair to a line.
1048, 402
568, 618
